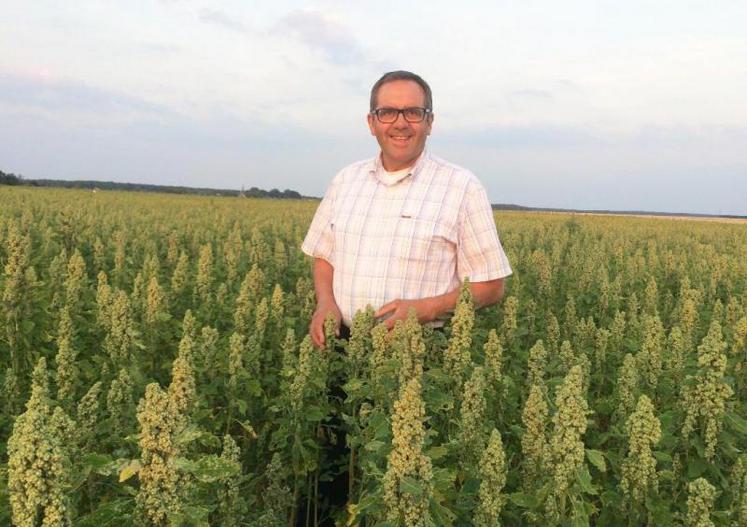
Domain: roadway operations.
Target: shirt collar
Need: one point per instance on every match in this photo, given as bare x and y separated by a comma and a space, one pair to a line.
376, 169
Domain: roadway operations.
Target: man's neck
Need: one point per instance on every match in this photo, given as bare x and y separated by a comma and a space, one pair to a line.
393, 167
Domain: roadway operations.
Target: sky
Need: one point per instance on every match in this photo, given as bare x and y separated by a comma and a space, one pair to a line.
635, 105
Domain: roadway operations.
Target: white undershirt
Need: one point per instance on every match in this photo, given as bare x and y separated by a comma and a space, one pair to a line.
390, 178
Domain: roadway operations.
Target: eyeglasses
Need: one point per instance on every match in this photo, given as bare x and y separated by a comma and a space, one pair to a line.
411, 115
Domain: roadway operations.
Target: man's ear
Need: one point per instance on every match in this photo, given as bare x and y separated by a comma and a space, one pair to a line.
370, 119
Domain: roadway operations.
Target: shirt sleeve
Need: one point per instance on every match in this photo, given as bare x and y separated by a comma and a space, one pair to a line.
480, 255
320, 239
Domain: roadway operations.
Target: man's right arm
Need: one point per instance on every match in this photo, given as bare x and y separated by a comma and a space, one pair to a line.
320, 245
323, 273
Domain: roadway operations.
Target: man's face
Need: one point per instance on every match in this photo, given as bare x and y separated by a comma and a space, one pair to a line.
401, 142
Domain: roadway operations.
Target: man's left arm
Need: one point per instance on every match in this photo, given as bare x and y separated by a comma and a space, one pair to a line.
479, 257
434, 307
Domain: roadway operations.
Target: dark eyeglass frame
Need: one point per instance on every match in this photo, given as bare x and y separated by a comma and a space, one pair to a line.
377, 113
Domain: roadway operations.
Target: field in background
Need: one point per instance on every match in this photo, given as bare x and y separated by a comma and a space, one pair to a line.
155, 370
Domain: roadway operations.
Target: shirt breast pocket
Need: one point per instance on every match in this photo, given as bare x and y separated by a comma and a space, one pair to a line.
423, 240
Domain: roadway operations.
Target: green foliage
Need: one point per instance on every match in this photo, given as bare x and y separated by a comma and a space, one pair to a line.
607, 389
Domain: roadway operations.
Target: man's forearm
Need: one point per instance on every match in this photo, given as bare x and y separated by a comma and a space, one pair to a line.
434, 307
483, 293
323, 273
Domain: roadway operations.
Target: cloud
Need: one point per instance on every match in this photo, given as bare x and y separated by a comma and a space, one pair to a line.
676, 168
61, 95
158, 47
710, 142
220, 152
322, 33
220, 18
531, 94
521, 136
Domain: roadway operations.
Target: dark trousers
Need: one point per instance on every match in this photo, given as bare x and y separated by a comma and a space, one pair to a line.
333, 491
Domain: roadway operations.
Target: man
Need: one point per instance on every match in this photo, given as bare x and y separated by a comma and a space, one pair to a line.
402, 230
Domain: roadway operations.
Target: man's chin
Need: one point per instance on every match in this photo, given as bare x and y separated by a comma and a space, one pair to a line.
402, 159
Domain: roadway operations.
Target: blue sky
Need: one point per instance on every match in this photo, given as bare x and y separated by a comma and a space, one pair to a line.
602, 105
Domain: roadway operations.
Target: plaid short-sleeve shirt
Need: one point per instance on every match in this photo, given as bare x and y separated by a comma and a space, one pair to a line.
409, 235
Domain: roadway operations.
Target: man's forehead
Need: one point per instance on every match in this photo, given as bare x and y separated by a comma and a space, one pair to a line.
401, 89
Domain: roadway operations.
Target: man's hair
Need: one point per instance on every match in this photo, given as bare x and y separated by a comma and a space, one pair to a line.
401, 75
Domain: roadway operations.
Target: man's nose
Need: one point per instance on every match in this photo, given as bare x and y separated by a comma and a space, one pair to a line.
400, 121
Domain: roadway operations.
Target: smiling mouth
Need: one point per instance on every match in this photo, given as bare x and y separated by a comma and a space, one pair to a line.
400, 138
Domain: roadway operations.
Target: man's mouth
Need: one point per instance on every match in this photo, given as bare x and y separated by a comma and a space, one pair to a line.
400, 138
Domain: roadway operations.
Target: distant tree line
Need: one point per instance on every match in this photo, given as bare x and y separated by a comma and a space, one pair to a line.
254, 192
12, 179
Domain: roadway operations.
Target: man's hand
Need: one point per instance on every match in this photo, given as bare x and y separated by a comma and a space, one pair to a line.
425, 309
325, 301
316, 327
429, 309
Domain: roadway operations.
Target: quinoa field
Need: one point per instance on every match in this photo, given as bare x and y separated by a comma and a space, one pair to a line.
155, 370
